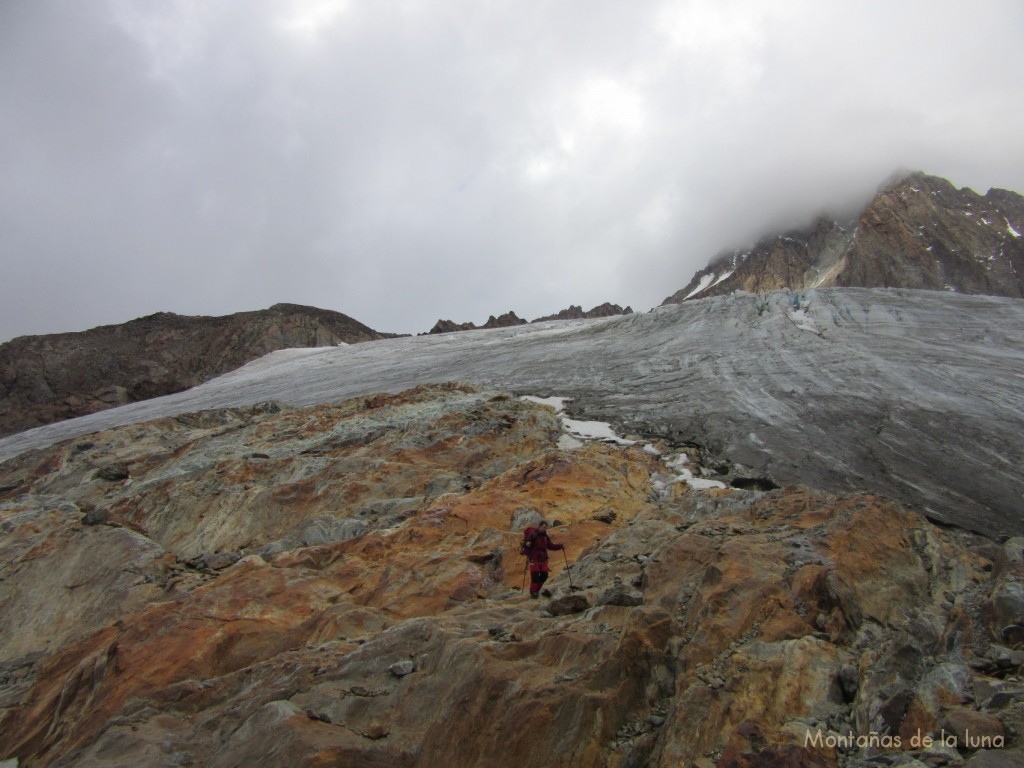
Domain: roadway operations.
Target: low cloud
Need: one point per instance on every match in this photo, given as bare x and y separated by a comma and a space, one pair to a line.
405, 161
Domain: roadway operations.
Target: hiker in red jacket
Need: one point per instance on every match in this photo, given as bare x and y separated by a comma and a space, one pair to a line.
536, 545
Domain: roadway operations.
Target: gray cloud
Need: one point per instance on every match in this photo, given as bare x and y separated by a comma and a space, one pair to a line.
404, 161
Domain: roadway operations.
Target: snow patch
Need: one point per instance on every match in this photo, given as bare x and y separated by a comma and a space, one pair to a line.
704, 283
699, 484
594, 430
683, 475
578, 431
677, 462
1009, 228
725, 276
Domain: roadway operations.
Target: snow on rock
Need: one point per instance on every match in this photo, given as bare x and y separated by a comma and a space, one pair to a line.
679, 464
579, 431
594, 430
705, 281
724, 276
576, 430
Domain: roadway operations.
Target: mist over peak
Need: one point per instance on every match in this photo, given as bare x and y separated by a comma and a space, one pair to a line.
917, 231
376, 159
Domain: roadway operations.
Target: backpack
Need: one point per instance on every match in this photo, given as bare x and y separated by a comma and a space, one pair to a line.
524, 546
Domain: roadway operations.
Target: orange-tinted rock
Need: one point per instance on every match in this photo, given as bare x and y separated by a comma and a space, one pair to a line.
753, 621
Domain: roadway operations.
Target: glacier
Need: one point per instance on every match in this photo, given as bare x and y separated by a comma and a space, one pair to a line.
914, 395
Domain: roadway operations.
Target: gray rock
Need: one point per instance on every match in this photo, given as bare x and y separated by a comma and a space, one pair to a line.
218, 561
568, 604
948, 682
962, 720
1010, 556
502, 635
402, 668
327, 530
1004, 657
997, 758
95, 517
620, 595
524, 517
1003, 698
1006, 606
267, 551
113, 473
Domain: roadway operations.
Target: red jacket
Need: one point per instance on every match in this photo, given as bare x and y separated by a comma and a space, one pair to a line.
537, 544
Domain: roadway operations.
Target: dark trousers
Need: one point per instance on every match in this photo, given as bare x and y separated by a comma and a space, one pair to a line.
538, 575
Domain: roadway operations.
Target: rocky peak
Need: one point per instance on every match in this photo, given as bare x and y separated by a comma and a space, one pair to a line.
449, 326
507, 320
918, 231
575, 312
510, 319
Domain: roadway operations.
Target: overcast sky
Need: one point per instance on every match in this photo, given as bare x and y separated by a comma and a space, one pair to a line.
413, 160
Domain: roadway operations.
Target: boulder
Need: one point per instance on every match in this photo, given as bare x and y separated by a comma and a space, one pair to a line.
402, 668
568, 604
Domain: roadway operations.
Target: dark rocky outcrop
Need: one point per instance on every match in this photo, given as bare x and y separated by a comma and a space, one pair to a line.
449, 326
49, 378
575, 312
507, 320
510, 319
917, 232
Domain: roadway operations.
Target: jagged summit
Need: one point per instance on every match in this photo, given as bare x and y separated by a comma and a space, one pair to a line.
509, 319
506, 320
918, 231
575, 312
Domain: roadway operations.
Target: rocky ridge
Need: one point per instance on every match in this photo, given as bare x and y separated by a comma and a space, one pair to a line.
575, 312
510, 319
48, 378
918, 232
325, 585
507, 320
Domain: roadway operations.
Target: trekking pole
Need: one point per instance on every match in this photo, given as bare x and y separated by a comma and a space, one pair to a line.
568, 570
526, 566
